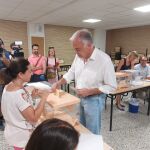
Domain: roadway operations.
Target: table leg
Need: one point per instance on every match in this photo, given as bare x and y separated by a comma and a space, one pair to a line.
148, 110
111, 113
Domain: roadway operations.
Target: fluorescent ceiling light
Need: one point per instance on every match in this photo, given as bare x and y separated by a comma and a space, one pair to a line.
92, 20
145, 8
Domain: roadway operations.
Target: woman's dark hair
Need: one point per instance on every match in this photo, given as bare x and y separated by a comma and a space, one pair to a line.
15, 67
53, 134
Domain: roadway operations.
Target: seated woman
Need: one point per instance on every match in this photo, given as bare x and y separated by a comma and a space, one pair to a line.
125, 64
17, 104
53, 134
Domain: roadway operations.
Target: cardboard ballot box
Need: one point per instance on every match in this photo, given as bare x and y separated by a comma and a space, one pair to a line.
123, 79
61, 99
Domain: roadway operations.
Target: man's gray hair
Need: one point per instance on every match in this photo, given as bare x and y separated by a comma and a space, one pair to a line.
84, 35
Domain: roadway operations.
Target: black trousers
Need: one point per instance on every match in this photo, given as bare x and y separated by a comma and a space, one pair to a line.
37, 78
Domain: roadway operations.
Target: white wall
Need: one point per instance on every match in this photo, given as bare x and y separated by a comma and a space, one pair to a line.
34, 30
100, 38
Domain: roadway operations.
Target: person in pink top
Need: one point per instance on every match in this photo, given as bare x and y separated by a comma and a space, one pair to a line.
52, 66
38, 64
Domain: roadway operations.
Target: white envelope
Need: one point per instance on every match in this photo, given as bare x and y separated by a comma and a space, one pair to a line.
90, 142
39, 85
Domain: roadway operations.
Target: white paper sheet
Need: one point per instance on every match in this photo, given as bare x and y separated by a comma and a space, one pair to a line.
147, 80
136, 83
90, 142
39, 85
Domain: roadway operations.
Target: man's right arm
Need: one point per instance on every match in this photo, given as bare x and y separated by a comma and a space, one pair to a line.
58, 84
66, 77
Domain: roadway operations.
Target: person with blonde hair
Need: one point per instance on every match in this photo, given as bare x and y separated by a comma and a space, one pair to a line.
128, 62
125, 64
52, 66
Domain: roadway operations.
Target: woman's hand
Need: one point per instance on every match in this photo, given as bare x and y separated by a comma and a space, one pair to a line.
43, 94
34, 93
133, 63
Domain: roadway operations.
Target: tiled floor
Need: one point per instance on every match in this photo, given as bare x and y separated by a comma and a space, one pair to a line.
130, 131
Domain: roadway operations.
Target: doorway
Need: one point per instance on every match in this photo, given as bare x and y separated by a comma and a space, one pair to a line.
40, 42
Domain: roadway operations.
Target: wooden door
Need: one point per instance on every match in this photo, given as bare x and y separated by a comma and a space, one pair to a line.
40, 42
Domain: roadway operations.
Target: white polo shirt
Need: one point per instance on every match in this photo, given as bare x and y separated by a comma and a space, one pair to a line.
97, 72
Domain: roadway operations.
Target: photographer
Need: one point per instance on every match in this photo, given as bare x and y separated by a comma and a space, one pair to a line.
4, 62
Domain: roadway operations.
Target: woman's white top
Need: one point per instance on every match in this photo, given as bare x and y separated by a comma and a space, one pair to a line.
17, 128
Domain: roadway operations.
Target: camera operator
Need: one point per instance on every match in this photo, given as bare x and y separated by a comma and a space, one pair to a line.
4, 62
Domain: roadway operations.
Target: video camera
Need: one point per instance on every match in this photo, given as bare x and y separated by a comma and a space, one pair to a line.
17, 50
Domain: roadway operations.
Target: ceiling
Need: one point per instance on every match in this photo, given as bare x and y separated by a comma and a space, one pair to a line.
113, 13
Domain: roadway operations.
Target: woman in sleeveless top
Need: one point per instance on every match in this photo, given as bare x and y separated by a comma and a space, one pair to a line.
125, 64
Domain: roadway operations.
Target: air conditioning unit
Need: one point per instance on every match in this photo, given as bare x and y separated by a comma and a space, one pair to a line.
38, 28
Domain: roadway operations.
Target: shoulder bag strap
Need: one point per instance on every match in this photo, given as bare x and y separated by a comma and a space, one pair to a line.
37, 61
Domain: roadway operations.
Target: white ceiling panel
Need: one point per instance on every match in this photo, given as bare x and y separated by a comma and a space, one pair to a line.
113, 13
117, 9
136, 3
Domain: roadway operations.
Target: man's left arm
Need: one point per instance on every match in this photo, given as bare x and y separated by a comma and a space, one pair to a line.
109, 77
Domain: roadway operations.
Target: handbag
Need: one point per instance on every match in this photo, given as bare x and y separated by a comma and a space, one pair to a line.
51, 75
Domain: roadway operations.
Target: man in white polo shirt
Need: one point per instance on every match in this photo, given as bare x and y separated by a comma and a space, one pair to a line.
143, 68
94, 76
